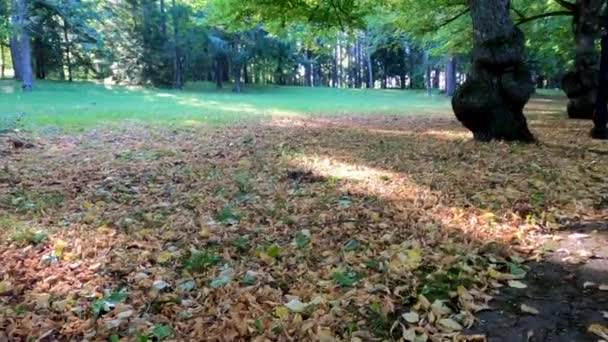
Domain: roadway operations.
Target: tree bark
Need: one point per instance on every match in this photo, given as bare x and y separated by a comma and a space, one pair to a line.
370, 69
450, 76
219, 69
178, 79
163, 20
580, 84
490, 102
25, 51
600, 120
427, 75
3, 61
67, 49
16, 55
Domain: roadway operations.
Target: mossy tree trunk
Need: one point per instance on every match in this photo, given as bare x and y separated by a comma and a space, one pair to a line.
490, 103
580, 84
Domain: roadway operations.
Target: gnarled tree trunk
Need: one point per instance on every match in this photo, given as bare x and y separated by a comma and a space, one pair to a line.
600, 119
580, 84
490, 103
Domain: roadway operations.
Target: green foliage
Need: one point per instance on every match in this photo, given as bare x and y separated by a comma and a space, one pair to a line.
161, 332
347, 278
200, 261
108, 302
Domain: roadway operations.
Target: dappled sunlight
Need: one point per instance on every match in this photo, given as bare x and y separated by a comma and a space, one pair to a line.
422, 203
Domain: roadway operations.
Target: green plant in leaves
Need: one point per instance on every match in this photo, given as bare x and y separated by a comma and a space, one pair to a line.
242, 244
228, 216
108, 302
161, 332
347, 278
302, 240
200, 261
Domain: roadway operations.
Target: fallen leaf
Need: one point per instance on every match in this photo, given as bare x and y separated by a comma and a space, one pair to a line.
599, 330
449, 325
411, 317
296, 305
516, 284
529, 309
164, 257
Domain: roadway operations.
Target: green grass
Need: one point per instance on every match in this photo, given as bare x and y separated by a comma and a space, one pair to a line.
83, 105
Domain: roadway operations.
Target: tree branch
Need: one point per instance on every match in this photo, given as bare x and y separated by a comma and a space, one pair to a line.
544, 15
567, 5
454, 18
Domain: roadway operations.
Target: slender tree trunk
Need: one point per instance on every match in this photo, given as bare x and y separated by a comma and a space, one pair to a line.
402, 80
163, 20
427, 75
334, 74
581, 83
339, 62
24, 45
246, 74
237, 78
600, 120
16, 55
3, 61
178, 78
67, 49
450, 76
219, 69
370, 70
491, 101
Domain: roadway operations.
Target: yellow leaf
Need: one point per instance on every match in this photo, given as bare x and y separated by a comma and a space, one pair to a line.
281, 312
5, 287
499, 276
60, 246
599, 330
87, 205
164, 257
205, 233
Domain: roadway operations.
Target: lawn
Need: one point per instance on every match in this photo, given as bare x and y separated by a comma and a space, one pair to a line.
324, 224
82, 105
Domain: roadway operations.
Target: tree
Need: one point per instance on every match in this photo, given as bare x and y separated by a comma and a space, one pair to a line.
21, 29
450, 76
490, 103
600, 120
581, 83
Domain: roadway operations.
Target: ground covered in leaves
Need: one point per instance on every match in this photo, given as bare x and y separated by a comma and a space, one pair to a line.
363, 229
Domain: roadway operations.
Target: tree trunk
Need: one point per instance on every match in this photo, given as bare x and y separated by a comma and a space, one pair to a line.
237, 78
178, 80
402, 80
370, 70
2, 60
25, 58
436, 73
67, 49
246, 74
219, 69
334, 74
427, 75
581, 83
600, 120
490, 103
450, 76
163, 20
16, 55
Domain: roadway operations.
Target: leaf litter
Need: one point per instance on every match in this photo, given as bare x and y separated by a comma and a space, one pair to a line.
325, 229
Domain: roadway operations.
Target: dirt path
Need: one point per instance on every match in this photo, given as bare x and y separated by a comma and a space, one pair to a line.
560, 289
